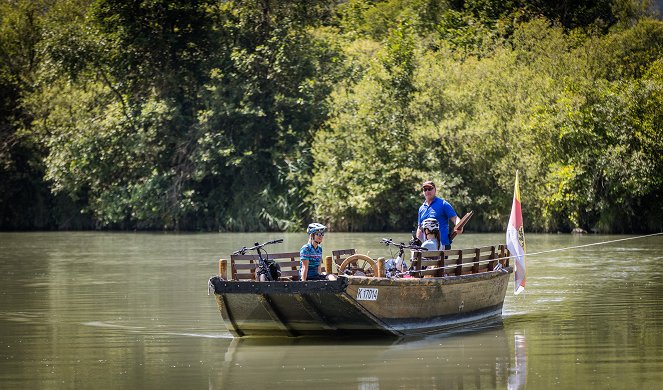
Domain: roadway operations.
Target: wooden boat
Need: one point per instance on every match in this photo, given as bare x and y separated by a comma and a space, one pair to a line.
448, 289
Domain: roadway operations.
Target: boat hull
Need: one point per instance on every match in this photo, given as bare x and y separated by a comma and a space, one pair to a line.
360, 305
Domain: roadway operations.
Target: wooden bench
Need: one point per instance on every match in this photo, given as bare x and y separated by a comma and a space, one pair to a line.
460, 261
243, 267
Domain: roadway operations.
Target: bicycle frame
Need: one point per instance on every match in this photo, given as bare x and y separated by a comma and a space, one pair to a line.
401, 250
263, 266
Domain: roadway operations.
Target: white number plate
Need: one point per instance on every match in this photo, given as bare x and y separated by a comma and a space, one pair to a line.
367, 294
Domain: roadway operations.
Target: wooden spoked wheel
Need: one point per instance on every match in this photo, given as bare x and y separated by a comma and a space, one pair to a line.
358, 265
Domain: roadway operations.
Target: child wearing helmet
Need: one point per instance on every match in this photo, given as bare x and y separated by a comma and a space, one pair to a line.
431, 229
311, 254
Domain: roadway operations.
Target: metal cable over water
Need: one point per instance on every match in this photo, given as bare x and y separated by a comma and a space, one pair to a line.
550, 251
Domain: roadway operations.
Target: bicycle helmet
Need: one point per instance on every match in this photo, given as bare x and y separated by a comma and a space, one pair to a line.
316, 228
430, 224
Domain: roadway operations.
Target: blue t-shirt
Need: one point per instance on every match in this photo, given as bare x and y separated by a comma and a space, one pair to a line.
441, 210
314, 257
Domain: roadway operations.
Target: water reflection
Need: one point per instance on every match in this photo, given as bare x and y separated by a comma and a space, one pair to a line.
518, 373
481, 358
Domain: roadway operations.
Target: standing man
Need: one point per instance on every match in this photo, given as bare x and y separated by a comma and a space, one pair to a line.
440, 209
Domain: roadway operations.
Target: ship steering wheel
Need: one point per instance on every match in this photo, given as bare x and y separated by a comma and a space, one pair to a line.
358, 265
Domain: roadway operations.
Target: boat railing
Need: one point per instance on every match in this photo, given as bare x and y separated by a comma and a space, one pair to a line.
459, 261
424, 264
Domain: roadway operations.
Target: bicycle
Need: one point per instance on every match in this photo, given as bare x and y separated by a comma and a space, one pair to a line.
397, 267
362, 265
268, 270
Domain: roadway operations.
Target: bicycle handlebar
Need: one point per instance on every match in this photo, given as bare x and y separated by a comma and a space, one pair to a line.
389, 241
256, 246
280, 240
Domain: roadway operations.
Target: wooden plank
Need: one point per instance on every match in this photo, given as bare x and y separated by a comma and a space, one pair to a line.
434, 254
276, 316
288, 261
449, 262
435, 259
291, 264
344, 296
233, 270
459, 262
504, 254
452, 257
311, 309
440, 264
463, 221
493, 255
468, 255
452, 252
381, 271
225, 313
290, 273
328, 265
340, 255
341, 252
223, 269
426, 272
416, 261
245, 266
430, 262
477, 257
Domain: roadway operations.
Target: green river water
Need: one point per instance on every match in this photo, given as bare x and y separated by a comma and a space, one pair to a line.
132, 311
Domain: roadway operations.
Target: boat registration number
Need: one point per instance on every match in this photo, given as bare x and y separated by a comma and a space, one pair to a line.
367, 294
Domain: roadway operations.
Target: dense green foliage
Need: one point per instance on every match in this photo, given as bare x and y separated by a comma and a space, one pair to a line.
266, 114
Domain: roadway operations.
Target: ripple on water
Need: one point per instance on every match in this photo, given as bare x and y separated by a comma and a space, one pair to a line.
101, 324
153, 332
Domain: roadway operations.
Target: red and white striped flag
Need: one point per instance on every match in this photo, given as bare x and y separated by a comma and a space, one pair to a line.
515, 240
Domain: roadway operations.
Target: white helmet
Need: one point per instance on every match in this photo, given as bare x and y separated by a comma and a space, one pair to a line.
430, 224
316, 228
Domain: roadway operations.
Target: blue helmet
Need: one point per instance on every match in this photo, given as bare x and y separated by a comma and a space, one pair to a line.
316, 228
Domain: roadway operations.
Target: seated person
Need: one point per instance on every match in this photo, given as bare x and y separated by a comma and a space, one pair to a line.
311, 254
431, 229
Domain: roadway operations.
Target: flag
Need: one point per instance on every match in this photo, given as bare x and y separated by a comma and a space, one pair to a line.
515, 240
